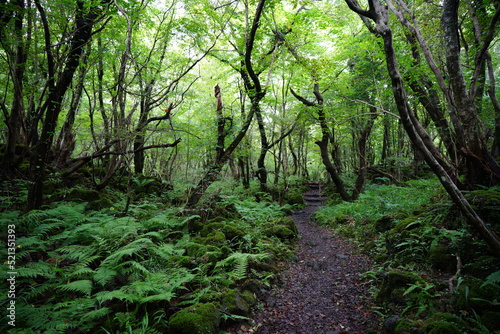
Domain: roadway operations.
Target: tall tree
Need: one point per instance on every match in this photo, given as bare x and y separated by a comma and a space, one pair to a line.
464, 116
255, 92
59, 80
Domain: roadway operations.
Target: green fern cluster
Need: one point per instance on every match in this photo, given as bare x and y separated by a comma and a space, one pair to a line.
78, 267
99, 272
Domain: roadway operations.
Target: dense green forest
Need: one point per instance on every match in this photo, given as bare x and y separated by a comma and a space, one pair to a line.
152, 150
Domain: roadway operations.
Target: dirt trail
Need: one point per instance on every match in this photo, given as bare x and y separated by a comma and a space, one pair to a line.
321, 291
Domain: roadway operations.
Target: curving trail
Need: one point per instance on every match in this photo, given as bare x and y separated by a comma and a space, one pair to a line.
321, 291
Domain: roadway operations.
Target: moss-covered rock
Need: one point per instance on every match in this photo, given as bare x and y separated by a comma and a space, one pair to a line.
237, 302
402, 231
84, 195
230, 230
293, 197
441, 258
280, 231
491, 320
406, 326
290, 224
474, 293
445, 323
198, 319
482, 266
198, 247
183, 261
103, 203
397, 325
394, 284
385, 223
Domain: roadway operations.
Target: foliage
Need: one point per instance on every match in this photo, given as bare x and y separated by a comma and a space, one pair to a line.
98, 271
413, 229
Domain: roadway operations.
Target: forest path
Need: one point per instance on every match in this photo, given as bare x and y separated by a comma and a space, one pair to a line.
321, 291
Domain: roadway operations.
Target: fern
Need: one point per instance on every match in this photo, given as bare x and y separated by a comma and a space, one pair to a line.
494, 278
36, 269
103, 275
76, 252
116, 294
80, 286
239, 262
94, 315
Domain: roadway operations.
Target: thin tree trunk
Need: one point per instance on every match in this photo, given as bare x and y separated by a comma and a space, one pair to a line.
82, 34
378, 13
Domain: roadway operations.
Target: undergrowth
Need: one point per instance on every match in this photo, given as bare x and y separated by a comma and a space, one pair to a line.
81, 270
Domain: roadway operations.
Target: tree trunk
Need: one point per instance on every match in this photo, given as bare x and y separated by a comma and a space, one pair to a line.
17, 70
84, 22
323, 143
378, 13
256, 94
481, 168
363, 165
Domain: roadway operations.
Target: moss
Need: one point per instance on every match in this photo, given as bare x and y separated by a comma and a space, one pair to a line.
441, 258
385, 223
491, 320
482, 266
445, 323
198, 319
84, 195
394, 284
195, 224
280, 231
100, 204
199, 246
231, 231
293, 197
343, 220
223, 211
289, 223
236, 302
405, 326
474, 294
183, 261
399, 233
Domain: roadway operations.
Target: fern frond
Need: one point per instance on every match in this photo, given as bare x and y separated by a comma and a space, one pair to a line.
81, 272
117, 256
76, 252
104, 275
129, 267
165, 296
83, 286
165, 251
95, 314
240, 268
493, 278
116, 294
36, 269
240, 261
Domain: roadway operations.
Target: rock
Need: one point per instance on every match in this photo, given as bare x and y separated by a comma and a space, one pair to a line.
198, 319
390, 324
445, 323
491, 320
385, 223
237, 302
